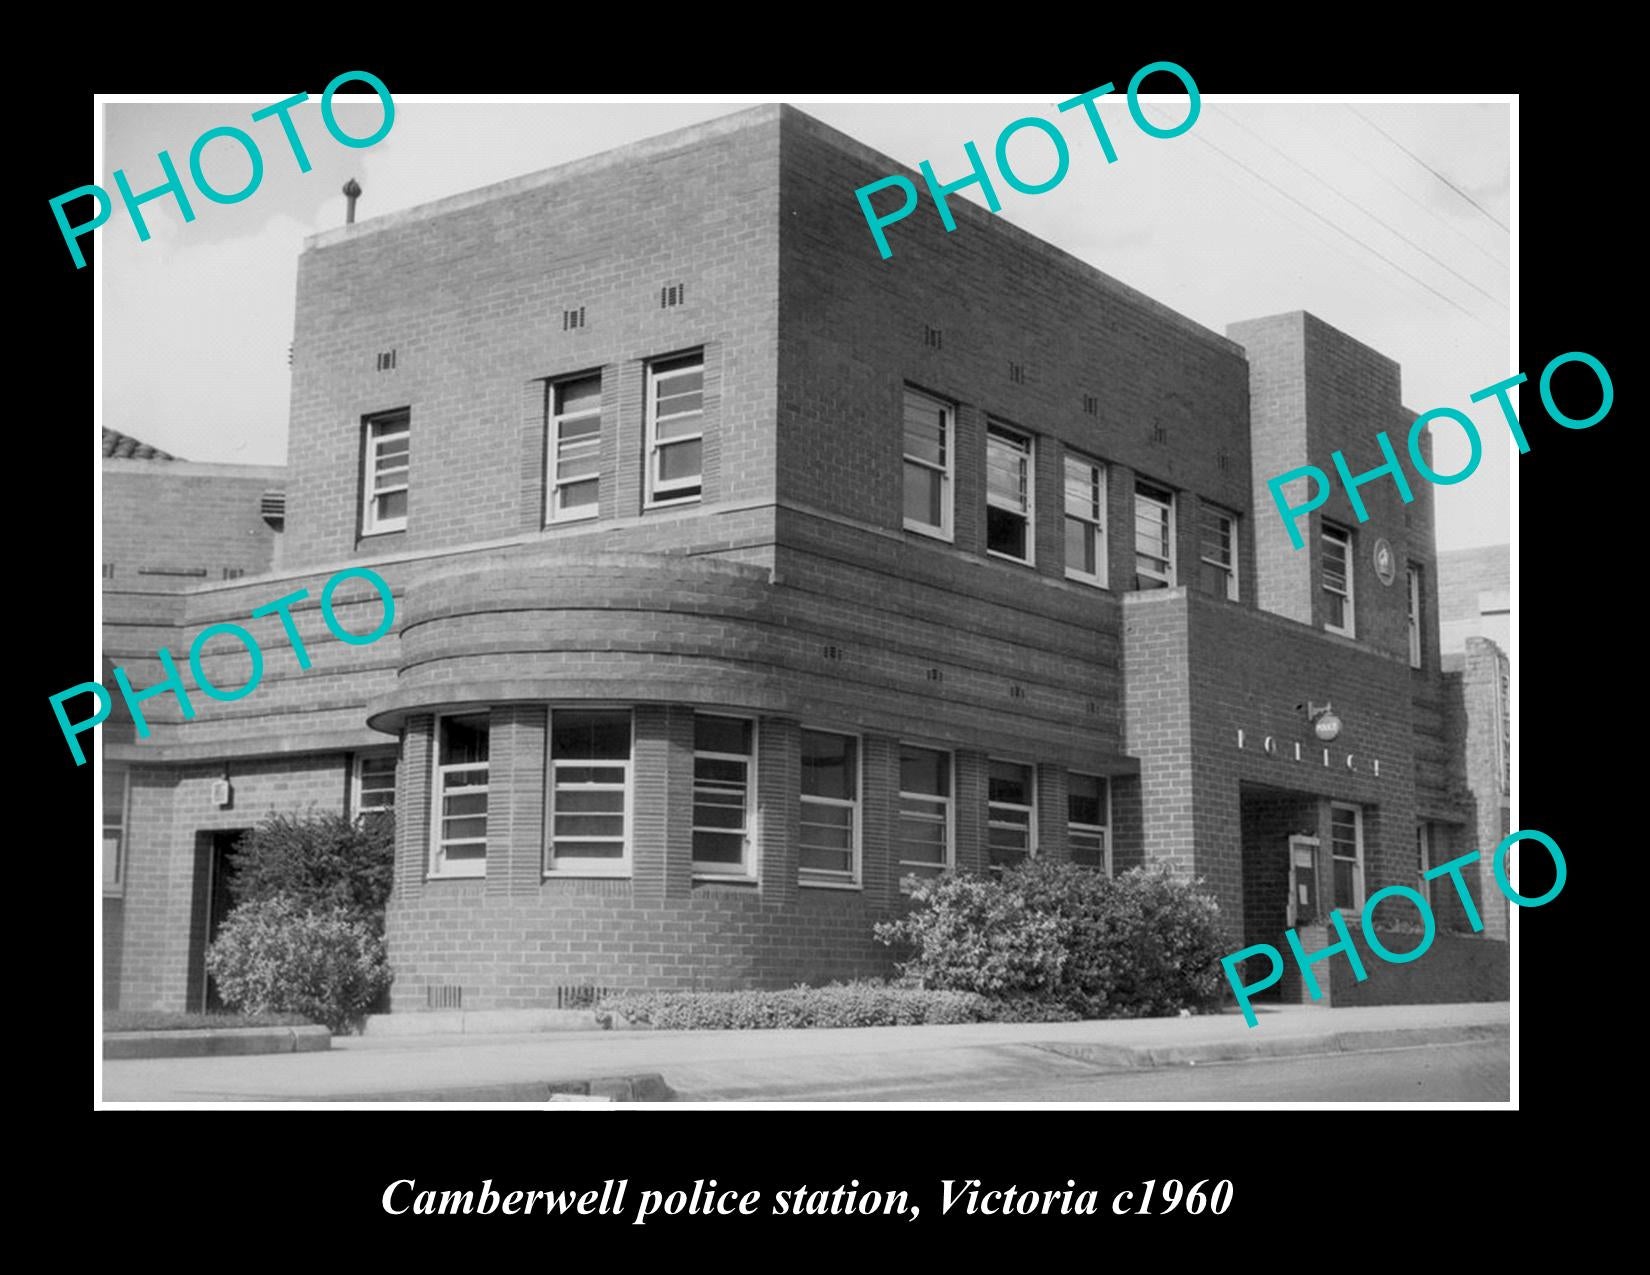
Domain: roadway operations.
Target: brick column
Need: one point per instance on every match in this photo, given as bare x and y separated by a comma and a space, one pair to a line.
1049, 508
661, 801
971, 811
624, 439
534, 417
711, 471
1051, 814
879, 816
413, 779
779, 806
968, 480
516, 797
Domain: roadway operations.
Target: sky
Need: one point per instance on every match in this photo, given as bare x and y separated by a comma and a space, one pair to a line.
1386, 220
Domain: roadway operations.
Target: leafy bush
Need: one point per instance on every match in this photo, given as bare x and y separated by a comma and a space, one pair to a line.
859, 1004
319, 860
1133, 946
273, 955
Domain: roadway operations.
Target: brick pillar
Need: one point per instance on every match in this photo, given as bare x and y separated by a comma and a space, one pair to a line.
661, 803
711, 473
534, 418
413, 778
516, 796
779, 806
1052, 814
1127, 836
1049, 508
1120, 527
879, 816
968, 477
624, 422
971, 811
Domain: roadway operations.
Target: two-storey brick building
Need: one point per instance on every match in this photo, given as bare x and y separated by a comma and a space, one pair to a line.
740, 573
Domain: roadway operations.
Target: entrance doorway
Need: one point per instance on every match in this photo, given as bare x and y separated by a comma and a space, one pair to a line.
213, 875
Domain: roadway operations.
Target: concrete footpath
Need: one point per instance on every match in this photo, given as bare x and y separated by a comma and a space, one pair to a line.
847, 1064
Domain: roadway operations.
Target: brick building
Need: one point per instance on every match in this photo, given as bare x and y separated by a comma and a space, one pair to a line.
739, 573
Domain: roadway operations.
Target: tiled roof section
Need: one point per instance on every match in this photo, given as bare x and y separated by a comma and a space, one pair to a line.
125, 447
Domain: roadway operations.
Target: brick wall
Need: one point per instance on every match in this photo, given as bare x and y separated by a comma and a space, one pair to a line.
209, 513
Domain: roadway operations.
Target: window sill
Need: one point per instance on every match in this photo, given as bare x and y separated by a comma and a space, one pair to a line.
1094, 582
114, 892
572, 519
455, 876
568, 874
830, 885
375, 532
672, 504
722, 878
931, 532
1008, 557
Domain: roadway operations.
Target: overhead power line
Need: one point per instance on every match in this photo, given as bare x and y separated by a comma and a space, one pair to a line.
1338, 193
1345, 233
1423, 163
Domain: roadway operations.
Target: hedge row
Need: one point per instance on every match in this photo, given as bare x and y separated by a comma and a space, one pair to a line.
861, 1004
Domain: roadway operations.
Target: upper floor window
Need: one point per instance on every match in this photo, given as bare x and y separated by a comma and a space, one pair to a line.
829, 848
374, 782
460, 806
1011, 813
675, 429
1412, 587
1085, 520
1153, 537
925, 840
1346, 853
1088, 821
723, 759
1009, 494
114, 827
384, 476
1337, 581
572, 451
589, 792
1217, 562
930, 427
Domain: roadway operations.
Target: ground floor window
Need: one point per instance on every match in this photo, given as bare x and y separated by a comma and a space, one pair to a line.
1088, 821
925, 840
828, 853
723, 750
589, 792
374, 782
1011, 835
1346, 852
114, 827
460, 848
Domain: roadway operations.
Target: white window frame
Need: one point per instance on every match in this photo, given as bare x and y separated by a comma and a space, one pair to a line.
1357, 860
747, 868
836, 880
358, 781
114, 886
438, 866
1167, 502
1205, 511
371, 492
1343, 537
675, 491
1094, 519
554, 511
1103, 829
1412, 586
568, 865
1026, 445
1031, 822
948, 799
947, 472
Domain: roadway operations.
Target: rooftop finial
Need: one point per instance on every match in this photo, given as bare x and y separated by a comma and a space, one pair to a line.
352, 192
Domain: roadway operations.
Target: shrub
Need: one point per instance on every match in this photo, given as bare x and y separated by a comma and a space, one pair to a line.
1137, 945
274, 956
320, 861
858, 1004
974, 934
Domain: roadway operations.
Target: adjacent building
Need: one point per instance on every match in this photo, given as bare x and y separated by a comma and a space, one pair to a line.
741, 574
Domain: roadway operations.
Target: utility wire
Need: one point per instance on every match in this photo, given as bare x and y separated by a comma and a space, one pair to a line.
1354, 203
1402, 190
1423, 163
1338, 230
